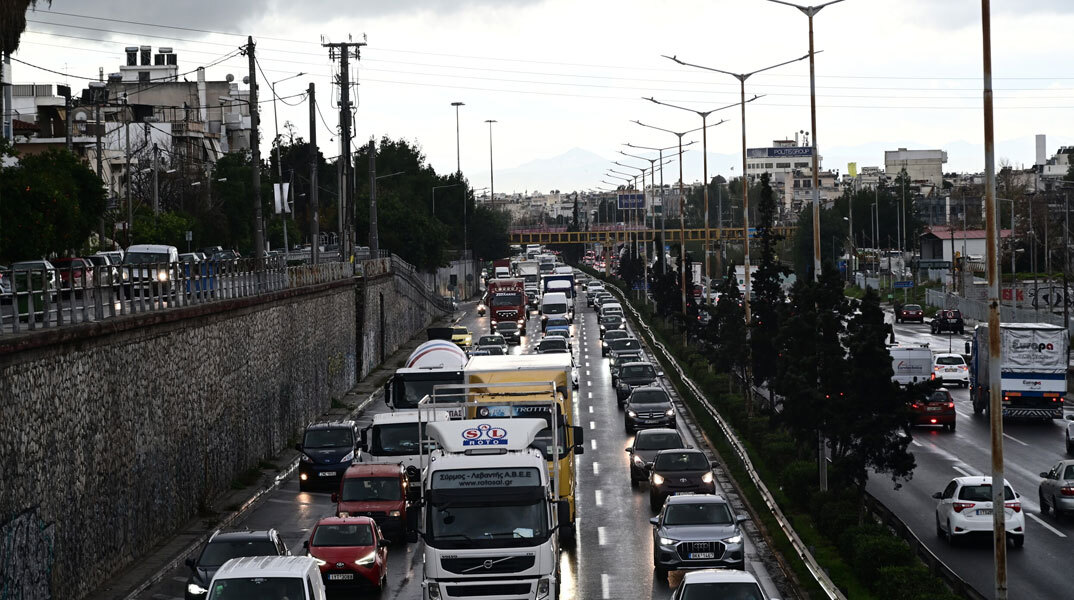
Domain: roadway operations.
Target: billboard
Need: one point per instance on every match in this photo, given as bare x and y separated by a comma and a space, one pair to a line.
631, 201
785, 152
852, 168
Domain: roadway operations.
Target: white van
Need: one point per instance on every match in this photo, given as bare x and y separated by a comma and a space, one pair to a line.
150, 269
910, 364
611, 308
554, 304
503, 272
293, 577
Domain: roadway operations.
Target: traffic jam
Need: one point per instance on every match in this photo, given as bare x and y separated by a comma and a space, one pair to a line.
479, 477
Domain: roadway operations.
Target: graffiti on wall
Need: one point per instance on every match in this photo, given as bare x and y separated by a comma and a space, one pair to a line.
26, 556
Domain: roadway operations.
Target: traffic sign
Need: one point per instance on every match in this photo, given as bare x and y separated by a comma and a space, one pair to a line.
899, 285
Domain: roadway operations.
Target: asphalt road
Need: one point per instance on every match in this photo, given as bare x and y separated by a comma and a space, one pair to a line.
613, 559
1029, 448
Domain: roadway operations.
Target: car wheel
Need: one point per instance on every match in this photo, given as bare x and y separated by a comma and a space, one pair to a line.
1070, 446
627, 428
654, 505
949, 535
951, 427
1018, 540
1043, 504
661, 572
939, 530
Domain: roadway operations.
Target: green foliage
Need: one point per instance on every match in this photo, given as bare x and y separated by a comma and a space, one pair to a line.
799, 481
166, 228
767, 303
51, 204
873, 552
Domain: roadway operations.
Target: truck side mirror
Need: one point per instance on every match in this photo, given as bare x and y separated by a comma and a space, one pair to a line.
563, 512
388, 391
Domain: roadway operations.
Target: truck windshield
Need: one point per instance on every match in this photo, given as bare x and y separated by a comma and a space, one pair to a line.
488, 524
396, 439
530, 278
413, 390
371, 489
507, 299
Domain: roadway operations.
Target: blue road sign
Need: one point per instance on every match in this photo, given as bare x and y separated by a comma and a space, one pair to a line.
903, 284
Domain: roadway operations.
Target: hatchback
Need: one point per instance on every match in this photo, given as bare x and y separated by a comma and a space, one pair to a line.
351, 553
965, 507
937, 408
909, 312
951, 368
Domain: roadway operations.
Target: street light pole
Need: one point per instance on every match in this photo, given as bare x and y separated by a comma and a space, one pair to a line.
492, 176
663, 204
458, 159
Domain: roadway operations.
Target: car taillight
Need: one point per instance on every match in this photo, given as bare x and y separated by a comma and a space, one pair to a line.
914, 405
1067, 491
950, 405
964, 367
1015, 506
937, 368
960, 506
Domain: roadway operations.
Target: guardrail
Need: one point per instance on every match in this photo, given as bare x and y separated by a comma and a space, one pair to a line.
45, 298
821, 577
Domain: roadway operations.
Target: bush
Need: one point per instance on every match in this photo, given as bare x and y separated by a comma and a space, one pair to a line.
799, 481
912, 582
874, 552
835, 512
850, 536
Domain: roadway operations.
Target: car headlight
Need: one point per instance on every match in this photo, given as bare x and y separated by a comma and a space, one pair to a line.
631, 414
126, 275
343, 514
305, 458
367, 560
707, 477
162, 276
638, 462
658, 479
735, 539
196, 590
434, 591
670, 412
395, 513
348, 458
320, 563
668, 541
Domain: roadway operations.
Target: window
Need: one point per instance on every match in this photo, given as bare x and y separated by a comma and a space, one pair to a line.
768, 165
143, 76
785, 165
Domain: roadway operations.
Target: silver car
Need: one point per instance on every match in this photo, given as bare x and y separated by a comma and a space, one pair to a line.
697, 532
1057, 490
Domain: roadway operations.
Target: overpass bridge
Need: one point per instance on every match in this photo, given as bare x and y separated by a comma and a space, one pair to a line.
557, 235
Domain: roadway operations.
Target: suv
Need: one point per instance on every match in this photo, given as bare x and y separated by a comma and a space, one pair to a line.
510, 332
678, 471
632, 375
938, 408
909, 312
718, 583
965, 507
615, 334
647, 444
951, 367
695, 532
381, 492
222, 547
611, 323
327, 451
648, 406
948, 321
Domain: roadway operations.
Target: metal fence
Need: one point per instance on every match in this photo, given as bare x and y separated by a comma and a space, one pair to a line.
34, 299
978, 310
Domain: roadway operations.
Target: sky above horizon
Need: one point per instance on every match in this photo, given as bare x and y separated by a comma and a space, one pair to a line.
558, 75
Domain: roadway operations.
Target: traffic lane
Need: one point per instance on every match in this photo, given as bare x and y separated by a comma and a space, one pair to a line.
918, 333
1031, 569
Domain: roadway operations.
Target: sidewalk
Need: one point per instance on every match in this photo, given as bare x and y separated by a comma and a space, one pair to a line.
145, 570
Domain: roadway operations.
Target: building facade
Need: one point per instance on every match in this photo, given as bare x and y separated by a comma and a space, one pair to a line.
922, 166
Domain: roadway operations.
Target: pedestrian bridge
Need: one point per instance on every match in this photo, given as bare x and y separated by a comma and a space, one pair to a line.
560, 235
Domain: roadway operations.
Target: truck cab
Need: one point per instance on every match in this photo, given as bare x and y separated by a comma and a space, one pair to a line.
436, 362
396, 438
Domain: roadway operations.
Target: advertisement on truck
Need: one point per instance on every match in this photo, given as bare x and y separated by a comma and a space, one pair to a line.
1033, 370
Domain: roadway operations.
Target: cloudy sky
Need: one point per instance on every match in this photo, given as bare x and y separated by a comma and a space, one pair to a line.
563, 75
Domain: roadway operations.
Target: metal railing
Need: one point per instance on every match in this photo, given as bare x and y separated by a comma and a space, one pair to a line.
34, 299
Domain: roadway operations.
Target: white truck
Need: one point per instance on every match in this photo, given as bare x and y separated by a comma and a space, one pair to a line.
396, 438
1033, 370
911, 364
436, 362
490, 514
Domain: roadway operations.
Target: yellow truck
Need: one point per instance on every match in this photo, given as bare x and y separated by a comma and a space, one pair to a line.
538, 369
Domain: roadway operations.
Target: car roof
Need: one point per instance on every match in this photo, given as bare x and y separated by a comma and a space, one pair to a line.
655, 430
696, 499
331, 425
266, 566
718, 576
373, 470
346, 521
155, 248
690, 450
242, 535
637, 363
978, 480
648, 388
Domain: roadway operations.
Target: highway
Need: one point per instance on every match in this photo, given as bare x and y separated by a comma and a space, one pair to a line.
1029, 448
613, 558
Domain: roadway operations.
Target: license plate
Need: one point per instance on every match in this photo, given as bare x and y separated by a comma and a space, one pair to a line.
984, 512
340, 576
701, 555
327, 474
934, 408
952, 370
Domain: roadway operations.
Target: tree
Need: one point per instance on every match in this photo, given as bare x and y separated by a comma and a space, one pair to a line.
727, 329
12, 24
52, 202
767, 289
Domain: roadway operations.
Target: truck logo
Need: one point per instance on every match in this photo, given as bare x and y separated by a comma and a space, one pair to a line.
484, 435
1040, 347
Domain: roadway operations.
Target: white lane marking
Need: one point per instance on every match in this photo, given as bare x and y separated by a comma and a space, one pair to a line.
601, 539
1043, 524
587, 364
587, 372
961, 470
593, 444
591, 410
605, 585
598, 499
596, 468
1014, 439
917, 443
592, 424
591, 396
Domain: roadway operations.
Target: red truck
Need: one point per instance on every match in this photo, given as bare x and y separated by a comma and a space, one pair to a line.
506, 301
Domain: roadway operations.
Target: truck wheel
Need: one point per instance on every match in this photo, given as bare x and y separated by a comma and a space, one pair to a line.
568, 536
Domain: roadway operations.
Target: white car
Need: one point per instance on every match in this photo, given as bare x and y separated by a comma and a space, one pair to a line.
965, 507
951, 368
708, 584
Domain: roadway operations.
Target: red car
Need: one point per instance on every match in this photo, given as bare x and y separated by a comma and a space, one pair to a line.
71, 274
938, 408
910, 312
351, 553
379, 491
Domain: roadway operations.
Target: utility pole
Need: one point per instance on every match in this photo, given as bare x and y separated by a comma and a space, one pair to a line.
156, 181
342, 51
127, 187
255, 157
99, 127
315, 234
374, 245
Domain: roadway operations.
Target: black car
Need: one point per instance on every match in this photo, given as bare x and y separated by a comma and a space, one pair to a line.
634, 375
615, 334
647, 444
697, 532
948, 321
648, 407
222, 547
678, 471
511, 332
611, 323
553, 345
327, 450
628, 345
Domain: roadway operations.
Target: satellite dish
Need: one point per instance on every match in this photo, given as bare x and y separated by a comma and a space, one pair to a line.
246, 79
229, 78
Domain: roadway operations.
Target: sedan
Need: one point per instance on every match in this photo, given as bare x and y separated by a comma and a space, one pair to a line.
647, 444
678, 471
553, 345
634, 375
511, 332
616, 334
493, 340
1056, 492
965, 507
611, 323
648, 407
351, 553
697, 532
938, 408
909, 312
462, 336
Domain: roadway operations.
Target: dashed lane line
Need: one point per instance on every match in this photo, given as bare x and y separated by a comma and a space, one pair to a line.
598, 499
605, 586
592, 424
593, 444
1014, 439
601, 537
596, 468
961, 470
1045, 525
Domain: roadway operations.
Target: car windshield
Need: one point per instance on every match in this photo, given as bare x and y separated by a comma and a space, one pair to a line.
492, 350
681, 461
142, 258
248, 588
637, 371
29, 265
99, 260
490, 340
982, 493
464, 525
649, 397
657, 440
460, 331
371, 489
328, 438
739, 590
351, 534
218, 552
396, 439
950, 360
911, 307
559, 333
611, 320
624, 344
553, 343
939, 396
704, 513
507, 299
615, 334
